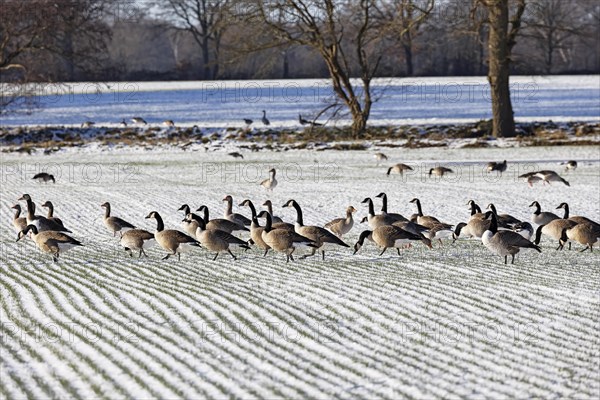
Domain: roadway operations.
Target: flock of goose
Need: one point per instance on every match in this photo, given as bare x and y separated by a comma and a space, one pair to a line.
502, 234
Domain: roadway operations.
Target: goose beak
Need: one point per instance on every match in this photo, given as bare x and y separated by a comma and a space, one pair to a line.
241, 204
148, 216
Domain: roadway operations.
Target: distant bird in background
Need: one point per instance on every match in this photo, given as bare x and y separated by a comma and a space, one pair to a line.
571, 165
139, 121
235, 154
550, 176
248, 122
44, 177
399, 168
123, 124
307, 122
87, 124
440, 171
169, 123
270, 183
264, 119
380, 157
496, 166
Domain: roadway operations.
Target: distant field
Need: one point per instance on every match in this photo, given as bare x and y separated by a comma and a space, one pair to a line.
220, 104
449, 322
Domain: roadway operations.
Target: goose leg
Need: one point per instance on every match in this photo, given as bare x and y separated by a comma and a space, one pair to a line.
266, 251
216, 255
505, 260
166, 257
231, 254
513, 259
323, 252
143, 252
178, 256
581, 251
398, 250
569, 245
441, 243
384, 249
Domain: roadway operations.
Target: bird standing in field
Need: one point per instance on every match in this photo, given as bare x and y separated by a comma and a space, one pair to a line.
114, 224
504, 243
496, 166
270, 183
380, 157
264, 119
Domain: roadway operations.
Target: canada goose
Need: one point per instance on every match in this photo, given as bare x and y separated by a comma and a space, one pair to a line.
341, 226
475, 228
139, 121
255, 229
41, 223
137, 239
504, 243
283, 240
50, 215
426, 220
530, 178
386, 236
52, 242
397, 217
550, 176
235, 154
399, 168
270, 183
586, 234
475, 210
173, 241
307, 122
541, 218
220, 223
571, 166
376, 221
214, 239
440, 171
123, 123
234, 217
187, 226
380, 157
18, 222
504, 220
169, 123
439, 232
87, 124
44, 177
320, 236
248, 122
576, 218
554, 229
114, 224
264, 119
496, 166
269, 206
524, 229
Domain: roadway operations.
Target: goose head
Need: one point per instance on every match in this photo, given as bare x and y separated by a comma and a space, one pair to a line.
365, 219
415, 200
25, 197
152, 214
562, 205
105, 204
361, 240
534, 204
47, 204
17, 207
245, 203
366, 201
290, 203
267, 203
380, 195
351, 210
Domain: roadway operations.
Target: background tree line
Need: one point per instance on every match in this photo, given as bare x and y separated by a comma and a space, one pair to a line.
65, 40
342, 40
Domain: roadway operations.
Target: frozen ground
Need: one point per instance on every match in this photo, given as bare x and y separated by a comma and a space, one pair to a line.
219, 104
450, 322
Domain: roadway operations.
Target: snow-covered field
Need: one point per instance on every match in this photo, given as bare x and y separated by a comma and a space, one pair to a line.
218, 104
449, 322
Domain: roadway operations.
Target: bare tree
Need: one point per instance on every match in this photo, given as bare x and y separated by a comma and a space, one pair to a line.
503, 30
344, 33
552, 24
206, 20
407, 18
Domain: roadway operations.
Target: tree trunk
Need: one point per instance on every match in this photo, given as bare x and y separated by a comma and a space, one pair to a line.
206, 58
286, 65
408, 58
498, 74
